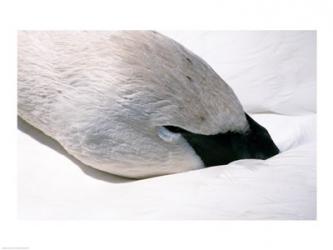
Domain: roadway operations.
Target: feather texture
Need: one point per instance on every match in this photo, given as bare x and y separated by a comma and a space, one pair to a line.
105, 95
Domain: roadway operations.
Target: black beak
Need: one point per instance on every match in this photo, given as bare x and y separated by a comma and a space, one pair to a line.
221, 149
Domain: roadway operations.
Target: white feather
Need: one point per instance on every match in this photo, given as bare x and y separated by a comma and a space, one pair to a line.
103, 96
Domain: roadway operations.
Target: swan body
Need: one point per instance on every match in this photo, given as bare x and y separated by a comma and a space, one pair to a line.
110, 99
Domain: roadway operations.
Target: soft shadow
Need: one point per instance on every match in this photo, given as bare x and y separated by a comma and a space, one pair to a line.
50, 142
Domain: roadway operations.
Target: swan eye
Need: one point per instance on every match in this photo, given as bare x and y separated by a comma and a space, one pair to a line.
168, 135
175, 129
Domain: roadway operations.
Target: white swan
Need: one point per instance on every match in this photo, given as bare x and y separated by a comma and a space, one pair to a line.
131, 103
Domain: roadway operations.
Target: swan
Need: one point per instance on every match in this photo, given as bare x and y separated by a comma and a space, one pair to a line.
133, 103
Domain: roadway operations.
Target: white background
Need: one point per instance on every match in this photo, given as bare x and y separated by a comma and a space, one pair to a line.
164, 15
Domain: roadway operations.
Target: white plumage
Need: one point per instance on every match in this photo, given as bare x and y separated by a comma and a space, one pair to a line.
105, 96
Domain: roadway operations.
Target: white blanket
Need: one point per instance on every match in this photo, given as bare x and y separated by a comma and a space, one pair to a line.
54, 186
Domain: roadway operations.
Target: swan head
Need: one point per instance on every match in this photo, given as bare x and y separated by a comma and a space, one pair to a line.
223, 148
143, 105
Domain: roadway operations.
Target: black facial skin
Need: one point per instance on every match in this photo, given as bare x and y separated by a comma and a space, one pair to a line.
224, 148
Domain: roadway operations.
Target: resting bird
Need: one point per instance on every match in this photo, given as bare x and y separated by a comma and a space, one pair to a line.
133, 103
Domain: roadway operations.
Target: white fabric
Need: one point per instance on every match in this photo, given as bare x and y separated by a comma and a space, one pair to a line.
52, 186
271, 72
